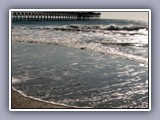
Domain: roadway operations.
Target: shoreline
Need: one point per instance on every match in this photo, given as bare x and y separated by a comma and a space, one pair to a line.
19, 101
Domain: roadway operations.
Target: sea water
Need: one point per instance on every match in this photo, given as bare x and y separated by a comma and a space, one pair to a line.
95, 63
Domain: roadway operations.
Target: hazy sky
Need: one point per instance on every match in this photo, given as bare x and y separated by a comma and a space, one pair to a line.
125, 15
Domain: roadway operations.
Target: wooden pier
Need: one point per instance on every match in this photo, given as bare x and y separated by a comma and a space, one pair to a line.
54, 16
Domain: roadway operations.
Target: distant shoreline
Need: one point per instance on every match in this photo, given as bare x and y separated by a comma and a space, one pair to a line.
19, 101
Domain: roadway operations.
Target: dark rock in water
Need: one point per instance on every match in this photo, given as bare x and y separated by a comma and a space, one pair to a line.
83, 48
73, 26
102, 52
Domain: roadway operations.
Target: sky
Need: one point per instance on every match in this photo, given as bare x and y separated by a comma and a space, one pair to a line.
125, 15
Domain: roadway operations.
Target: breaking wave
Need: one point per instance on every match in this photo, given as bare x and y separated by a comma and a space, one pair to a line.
100, 38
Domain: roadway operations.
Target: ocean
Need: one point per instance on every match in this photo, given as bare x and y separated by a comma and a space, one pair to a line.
87, 64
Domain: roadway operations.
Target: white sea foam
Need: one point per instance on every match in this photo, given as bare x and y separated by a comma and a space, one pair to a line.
16, 80
20, 78
97, 47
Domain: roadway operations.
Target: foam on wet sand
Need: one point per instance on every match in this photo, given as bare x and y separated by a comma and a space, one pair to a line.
20, 101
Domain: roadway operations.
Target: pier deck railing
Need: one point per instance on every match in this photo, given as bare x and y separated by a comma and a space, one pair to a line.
52, 16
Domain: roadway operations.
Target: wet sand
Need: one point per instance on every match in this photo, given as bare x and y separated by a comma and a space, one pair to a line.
21, 102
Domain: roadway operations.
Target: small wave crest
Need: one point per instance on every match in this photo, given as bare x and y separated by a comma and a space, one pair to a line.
124, 44
126, 28
97, 47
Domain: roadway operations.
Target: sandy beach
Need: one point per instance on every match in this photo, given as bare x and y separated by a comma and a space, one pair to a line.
21, 102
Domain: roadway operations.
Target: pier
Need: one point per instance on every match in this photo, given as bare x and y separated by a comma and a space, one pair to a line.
54, 16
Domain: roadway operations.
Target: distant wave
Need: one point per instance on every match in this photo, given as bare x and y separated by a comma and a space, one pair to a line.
91, 28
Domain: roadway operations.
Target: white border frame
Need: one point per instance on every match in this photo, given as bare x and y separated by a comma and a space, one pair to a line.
97, 10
